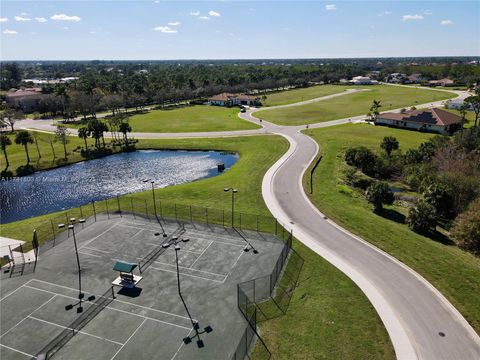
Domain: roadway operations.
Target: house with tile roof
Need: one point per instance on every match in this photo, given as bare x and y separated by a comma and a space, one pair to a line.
430, 120
27, 99
228, 99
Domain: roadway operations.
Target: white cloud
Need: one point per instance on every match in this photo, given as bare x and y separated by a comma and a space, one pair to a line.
412, 17
64, 17
10, 32
195, 13
213, 13
41, 19
20, 18
427, 12
446, 22
176, 23
165, 29
331, 7
204, 17
3, 20
385, 13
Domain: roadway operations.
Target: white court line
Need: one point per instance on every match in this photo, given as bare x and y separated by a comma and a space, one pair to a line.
115, 309
224, 242
234, 264
120, 301
20, 352
83, 253
178, 350
184, 267
128, 339
203, 252
93, 249
14, 291
81, 332
195, 276
38, 308
96, 237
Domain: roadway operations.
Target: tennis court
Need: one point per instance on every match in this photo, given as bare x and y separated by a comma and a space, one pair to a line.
149, 321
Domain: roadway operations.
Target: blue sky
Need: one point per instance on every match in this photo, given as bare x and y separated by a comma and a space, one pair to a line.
83, 30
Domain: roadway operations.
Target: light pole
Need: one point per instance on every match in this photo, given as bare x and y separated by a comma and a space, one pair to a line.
195, 325
155, 205
233, 203
71, 226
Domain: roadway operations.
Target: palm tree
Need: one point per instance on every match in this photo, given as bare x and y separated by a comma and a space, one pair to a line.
389, 144
124, 129
83, 134
374, 109
4, 142
62, 135
24, 138
35, 139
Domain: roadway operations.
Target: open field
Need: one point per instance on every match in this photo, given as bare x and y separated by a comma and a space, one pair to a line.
340, 322
297, 95
452, 271
198, 118
359, 103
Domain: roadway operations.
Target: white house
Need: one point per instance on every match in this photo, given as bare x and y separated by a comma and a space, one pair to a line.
457, 104
431, 120
363, 80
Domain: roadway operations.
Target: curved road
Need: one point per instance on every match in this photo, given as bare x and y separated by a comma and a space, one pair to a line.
421, 323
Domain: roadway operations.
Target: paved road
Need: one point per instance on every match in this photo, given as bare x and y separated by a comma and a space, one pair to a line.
413, 311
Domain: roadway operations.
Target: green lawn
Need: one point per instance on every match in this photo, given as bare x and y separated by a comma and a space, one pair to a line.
199, 118
329, 317
452, 271
354, 104
296, 95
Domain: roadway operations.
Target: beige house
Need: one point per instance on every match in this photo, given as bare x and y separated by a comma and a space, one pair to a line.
430, 120
228, 99
27, 99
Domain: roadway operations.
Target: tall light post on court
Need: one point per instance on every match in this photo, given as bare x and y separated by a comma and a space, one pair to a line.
155, 205
233, 190
71, 226
196, 326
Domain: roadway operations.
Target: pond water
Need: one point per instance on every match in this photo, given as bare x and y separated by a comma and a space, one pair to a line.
70, 186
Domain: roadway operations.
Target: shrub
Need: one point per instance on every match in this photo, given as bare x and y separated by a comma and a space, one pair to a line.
466, 230
378, 194
362, 182
25, 170
389, 143
422, 218
440, 196
362, 158
6, 174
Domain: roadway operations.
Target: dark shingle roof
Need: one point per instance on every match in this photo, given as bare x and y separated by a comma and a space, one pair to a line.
429, 116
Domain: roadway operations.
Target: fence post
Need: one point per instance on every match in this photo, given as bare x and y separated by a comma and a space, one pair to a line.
276, 225
118, 204
133, 210
206, 214
146, 210
53, 230
240, 221
257, 223
106, 205
94, 211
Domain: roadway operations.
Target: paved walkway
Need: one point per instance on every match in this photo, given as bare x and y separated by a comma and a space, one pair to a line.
413, 311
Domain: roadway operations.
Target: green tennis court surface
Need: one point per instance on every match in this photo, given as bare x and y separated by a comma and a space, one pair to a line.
150, 321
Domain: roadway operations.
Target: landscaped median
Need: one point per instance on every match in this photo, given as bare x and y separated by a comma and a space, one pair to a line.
328, 315
354, 104
452, 271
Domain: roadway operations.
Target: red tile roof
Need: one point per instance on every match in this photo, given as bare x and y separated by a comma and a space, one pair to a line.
432, 116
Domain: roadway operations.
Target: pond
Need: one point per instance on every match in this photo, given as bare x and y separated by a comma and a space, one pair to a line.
70, 186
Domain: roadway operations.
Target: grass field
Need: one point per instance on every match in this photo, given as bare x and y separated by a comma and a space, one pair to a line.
197, 118
454, 272
329, 317
354, 104
296, 95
